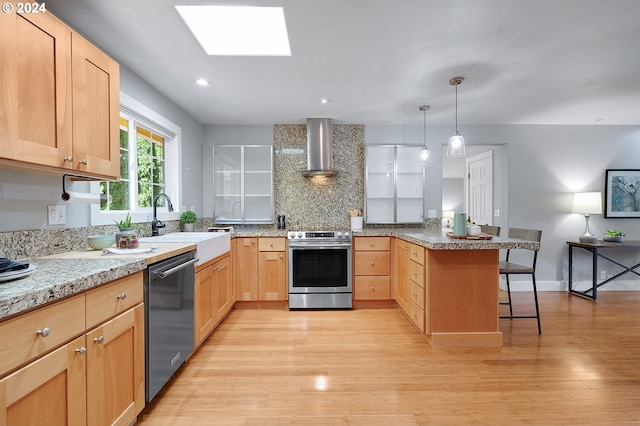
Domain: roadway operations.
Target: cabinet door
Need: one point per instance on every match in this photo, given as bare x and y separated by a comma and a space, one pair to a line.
115, 369
247, 270
380, 185
96, 110
409, 185
204, 311
222, 276
49, 391
35, 123
272, 270
402, 268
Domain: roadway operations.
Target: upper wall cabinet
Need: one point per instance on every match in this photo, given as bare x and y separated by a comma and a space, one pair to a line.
394, 184
243, 184
60, 104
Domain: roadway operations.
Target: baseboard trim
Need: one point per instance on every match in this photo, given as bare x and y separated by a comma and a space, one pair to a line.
617, 285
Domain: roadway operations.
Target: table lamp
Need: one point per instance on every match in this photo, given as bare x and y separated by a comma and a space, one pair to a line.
448, 214
587, 203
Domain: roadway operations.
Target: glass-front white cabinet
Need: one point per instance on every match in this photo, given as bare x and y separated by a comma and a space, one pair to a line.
243, 184
394, 184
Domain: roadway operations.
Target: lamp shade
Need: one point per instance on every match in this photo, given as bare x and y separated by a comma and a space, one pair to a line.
587, 203
448, 214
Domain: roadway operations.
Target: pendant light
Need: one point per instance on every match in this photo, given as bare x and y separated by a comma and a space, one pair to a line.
425, 153
455, 148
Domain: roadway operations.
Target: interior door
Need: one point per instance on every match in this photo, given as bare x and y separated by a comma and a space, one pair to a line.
479, 188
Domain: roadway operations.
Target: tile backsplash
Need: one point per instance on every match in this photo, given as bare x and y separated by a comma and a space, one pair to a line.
318, 202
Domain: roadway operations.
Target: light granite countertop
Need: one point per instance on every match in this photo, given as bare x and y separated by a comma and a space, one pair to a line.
65, 274
419, 236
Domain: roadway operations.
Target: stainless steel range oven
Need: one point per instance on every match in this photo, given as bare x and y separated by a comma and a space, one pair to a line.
320, 270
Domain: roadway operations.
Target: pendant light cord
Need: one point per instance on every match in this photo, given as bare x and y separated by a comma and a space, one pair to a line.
457, 107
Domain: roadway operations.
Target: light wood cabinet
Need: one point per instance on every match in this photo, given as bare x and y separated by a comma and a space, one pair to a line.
372, 268
212, 297
246, 272
94, 374
416, 285
272, 269
49, 391
261, 269
401, 275
61, 105
96, 110
115, 369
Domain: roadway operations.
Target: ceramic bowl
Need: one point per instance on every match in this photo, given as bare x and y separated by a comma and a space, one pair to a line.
98, 242
473, 230
612, 239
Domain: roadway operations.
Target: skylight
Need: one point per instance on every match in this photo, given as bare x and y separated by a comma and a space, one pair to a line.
238, 30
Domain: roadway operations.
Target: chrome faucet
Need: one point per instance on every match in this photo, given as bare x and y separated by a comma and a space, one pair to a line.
155, 223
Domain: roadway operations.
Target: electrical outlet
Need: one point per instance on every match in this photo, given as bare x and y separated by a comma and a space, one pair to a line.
603, 275
57, 215
431, 214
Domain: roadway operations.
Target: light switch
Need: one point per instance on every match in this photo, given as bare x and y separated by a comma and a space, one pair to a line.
431, 214
496, 213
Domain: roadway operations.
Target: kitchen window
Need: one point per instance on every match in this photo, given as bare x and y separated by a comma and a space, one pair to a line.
149, 165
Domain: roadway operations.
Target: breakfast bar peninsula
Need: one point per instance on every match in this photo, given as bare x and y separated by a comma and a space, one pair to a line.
449, 288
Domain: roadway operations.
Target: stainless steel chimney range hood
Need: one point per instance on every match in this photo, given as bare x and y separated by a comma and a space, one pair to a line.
319, 140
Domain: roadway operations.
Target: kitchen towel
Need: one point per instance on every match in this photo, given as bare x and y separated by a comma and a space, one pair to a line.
7, 265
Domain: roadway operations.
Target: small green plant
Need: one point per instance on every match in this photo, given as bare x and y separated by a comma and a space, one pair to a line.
613, 233
188, 217
124, 223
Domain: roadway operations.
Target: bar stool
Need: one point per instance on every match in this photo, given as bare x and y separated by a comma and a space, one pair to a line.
509, 268
490, 230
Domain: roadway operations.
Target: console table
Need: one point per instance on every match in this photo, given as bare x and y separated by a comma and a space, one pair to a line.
596, 252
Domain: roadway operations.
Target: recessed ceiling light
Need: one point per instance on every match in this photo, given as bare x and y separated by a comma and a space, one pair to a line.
238, 30
203, 82
324, 101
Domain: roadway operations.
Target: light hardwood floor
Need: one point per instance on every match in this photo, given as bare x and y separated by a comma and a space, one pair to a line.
370, 367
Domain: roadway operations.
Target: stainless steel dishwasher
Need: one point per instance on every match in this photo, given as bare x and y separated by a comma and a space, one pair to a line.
168, 299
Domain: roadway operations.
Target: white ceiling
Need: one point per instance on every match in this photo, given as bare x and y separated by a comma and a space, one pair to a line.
524, 61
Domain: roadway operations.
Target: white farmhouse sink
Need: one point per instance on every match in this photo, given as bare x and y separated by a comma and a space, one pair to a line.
209, 244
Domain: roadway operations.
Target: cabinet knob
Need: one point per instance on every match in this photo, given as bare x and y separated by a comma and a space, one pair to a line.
82, 350
99, 339
83, 161
373, 289
281, 257
44, 332
415, 315
372, 244
415, 274
415, 295
68, 159
372, 264
271, 244
122, 296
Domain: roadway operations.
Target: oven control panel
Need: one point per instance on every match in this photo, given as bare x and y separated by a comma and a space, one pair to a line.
325, 235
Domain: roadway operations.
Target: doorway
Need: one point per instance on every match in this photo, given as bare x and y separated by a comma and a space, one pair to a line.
455, 184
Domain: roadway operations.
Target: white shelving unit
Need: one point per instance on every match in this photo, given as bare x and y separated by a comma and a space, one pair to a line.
243, 184
394, 184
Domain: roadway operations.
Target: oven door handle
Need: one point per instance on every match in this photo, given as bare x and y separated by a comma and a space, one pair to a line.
171, 271
315, 245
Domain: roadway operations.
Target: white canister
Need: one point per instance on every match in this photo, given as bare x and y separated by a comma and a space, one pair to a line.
473, 230
356, 223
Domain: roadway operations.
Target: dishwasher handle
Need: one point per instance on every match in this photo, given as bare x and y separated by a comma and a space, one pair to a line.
171, 271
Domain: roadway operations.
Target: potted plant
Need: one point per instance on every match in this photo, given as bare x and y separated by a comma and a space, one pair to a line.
613, 236
188, 218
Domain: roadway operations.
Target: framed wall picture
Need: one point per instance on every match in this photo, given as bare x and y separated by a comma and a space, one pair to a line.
622, 193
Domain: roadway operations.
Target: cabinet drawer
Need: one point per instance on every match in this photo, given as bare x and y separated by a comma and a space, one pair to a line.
417, 295
416, 253
114, 298
416, 273
372, 263
372, 243
271, 244
372, 288
417, 315
20, 342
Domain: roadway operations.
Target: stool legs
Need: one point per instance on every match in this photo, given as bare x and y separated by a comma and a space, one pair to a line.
535, 298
